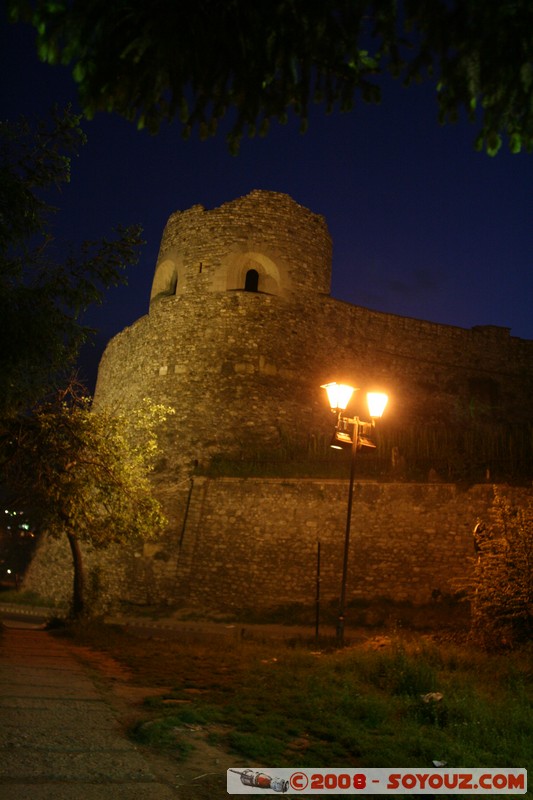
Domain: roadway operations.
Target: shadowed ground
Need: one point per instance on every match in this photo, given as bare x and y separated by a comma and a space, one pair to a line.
60, 737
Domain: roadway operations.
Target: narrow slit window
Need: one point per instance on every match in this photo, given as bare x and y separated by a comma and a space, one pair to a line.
251, 282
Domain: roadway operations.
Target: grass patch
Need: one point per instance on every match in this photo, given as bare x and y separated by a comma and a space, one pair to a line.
163, 733
360, 707
369, 709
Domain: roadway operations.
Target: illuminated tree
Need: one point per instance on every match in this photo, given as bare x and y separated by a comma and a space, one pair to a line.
151, 62
84, 474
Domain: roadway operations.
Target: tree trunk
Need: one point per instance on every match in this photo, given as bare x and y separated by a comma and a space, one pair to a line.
78, 587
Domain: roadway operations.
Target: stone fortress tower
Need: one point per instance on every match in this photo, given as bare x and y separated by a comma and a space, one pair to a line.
230, 340
240, 334
242, 331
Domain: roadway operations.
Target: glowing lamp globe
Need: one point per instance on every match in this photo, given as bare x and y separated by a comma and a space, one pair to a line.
339, 395
376, 403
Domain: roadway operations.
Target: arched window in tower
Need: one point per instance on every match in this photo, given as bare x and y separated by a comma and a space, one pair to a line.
165, 282
251, 282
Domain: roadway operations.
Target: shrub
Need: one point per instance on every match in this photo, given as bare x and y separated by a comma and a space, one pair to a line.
501, 591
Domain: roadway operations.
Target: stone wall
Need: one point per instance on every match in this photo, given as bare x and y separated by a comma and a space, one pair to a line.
251, 544
210, 250
243, 370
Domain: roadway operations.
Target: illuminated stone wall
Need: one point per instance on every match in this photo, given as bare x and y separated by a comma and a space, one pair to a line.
251, 545
242, 369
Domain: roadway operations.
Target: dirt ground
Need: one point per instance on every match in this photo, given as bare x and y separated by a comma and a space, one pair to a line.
131, 669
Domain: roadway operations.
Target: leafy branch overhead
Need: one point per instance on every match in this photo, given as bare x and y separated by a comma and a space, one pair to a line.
153, 62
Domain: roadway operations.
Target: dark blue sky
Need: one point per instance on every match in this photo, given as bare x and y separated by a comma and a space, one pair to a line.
422, 225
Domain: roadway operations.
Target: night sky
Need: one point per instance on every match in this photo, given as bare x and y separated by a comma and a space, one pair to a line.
422, 225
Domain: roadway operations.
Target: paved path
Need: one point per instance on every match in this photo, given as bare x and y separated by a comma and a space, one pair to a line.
59, 735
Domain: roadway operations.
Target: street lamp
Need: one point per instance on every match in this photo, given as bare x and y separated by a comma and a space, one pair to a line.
354, 433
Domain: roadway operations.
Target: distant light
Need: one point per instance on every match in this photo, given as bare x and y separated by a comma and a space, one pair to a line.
9, 572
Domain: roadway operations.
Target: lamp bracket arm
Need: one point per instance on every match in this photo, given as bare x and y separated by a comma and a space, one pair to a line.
356, 420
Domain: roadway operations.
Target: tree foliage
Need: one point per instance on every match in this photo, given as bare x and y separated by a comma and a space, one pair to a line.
84, 473
44, 286
501, 592
152, 62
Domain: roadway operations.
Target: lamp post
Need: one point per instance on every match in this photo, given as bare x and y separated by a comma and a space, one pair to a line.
352, 432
